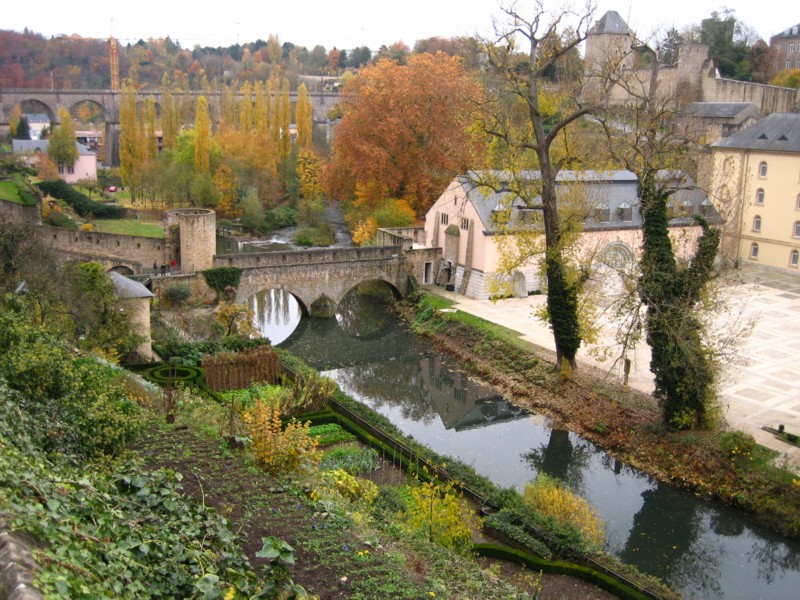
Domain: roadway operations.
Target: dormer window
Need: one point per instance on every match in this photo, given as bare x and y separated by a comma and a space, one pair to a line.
601, 212
625, 211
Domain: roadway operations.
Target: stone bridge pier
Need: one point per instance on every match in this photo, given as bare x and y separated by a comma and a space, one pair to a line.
318, 279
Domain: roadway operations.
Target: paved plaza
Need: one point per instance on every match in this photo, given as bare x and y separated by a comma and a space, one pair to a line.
760, 388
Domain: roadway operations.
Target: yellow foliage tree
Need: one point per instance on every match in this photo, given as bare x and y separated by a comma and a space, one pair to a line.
236, 318
202, 140
551, 497
279, 449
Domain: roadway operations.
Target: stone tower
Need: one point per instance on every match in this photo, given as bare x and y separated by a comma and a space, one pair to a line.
190, 237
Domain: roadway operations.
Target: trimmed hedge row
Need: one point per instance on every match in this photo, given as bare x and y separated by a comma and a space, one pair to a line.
164, 374
555, 567
82, 204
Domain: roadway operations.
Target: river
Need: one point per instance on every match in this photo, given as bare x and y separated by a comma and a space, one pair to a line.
702, 549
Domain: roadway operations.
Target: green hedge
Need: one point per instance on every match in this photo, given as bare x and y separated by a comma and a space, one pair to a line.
81, 203
175, 374
601, 580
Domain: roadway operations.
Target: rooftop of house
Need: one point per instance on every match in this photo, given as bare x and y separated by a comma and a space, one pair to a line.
611, 192
722, 110
32, 146
792, 31
778, 132
37, 118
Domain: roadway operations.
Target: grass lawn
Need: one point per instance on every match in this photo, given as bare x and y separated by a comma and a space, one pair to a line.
8, 191
129, 227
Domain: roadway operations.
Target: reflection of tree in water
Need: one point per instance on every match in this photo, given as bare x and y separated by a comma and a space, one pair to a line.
664, 541
562, 459
774, 556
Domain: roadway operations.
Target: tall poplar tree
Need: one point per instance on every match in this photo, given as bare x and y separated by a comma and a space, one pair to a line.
169, 115
62, 147
304, 118
131, 141
286, 121
202, 140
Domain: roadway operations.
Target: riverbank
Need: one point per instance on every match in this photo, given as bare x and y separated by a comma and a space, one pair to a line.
626, 423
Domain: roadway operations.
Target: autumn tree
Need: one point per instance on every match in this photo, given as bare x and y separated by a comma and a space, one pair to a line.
521, 57
169, 115
304, 118
62, 147
202, 140
405, 133
131, 141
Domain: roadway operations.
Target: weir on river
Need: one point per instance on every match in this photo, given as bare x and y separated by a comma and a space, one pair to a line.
701, 549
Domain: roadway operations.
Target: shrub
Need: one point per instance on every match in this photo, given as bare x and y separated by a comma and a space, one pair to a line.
178, 294
280, 450
553, 498
352, 488
439, 512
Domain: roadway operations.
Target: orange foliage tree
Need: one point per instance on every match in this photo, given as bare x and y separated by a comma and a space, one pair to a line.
406, 131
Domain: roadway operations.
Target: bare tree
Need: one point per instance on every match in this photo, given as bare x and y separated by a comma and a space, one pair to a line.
530, 121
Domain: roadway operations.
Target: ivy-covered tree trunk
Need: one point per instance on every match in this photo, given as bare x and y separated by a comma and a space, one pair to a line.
683, 366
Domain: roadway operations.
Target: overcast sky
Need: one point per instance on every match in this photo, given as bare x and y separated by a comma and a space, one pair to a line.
346, 24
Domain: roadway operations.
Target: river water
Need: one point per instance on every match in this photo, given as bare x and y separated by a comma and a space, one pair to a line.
700, 548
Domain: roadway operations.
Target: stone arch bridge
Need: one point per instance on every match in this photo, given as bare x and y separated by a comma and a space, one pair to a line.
319, 278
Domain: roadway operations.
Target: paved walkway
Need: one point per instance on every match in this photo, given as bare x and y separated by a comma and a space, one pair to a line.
762, 387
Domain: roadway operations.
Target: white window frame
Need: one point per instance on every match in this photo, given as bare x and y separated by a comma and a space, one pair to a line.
757, 224
794, 258
762, 169
760, 196
754, 251
796, 231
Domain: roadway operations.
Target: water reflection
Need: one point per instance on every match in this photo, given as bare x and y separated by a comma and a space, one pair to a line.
276, 314
702, 549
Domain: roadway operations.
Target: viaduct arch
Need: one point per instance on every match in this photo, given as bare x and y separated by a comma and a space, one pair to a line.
109, 102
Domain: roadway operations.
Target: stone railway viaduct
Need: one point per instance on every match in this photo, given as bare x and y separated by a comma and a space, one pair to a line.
50, 101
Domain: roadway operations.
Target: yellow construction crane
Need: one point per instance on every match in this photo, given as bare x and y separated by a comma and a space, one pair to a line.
114, 61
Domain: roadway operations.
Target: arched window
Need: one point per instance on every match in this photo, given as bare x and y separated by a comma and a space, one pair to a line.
796, 229
762, 169
760, 196
797, 203
757, 223
753, 250
794, 258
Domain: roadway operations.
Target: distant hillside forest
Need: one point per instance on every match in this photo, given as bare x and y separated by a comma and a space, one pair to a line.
29, 60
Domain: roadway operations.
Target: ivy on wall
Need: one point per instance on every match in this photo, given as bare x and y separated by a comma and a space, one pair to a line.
220, 278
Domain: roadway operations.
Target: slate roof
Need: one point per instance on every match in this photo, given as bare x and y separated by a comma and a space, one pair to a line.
611, 190
778, 132
128, 288
30, 146
792, 31
718, 110
611, 22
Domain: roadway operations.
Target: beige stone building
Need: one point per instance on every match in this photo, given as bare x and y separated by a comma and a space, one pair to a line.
756, 183
136, 301
475, 225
